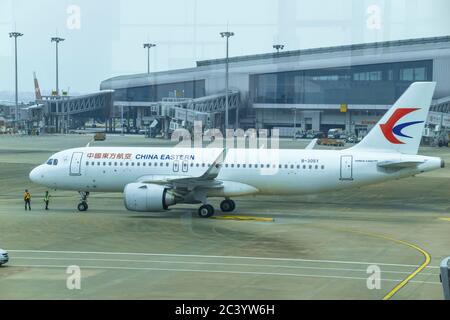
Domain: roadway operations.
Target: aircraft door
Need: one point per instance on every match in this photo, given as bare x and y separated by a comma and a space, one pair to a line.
75, 164
346, 167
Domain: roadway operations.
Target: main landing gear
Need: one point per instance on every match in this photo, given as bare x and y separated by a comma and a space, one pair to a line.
227, 205
207, 210
83, 206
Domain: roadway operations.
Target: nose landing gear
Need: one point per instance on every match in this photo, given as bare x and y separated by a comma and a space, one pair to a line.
83, 206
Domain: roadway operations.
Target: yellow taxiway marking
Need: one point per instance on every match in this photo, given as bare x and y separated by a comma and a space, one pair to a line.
243, 218
427, 257
444, 219
427, 260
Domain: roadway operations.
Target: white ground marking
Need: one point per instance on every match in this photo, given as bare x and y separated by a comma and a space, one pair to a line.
223, 271
220, 257
211, 263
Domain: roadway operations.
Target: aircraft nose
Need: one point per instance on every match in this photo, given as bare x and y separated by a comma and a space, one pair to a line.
35, 174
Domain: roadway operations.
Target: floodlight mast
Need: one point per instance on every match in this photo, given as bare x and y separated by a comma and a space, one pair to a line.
148, 46
16, 35
227, 35
57, 40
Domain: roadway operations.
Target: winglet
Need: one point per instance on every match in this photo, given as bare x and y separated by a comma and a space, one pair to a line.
312, 144
89, 143
214, 169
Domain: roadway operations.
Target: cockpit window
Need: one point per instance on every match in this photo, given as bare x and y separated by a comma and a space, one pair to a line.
55, 162
50, 162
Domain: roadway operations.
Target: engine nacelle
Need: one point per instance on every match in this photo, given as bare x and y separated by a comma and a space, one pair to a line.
143, 197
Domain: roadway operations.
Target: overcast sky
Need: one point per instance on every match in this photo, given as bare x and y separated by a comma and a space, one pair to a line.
104, 37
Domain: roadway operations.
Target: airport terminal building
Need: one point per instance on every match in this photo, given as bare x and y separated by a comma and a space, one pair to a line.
348, 87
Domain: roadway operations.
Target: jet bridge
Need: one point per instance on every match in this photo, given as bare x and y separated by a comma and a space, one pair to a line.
210, 110
63, 112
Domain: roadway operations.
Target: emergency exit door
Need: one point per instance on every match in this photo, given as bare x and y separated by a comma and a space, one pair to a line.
75, 164
346, 167
176, 166
185, 166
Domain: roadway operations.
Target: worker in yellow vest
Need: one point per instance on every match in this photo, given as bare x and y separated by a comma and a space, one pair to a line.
46, 199
27, 200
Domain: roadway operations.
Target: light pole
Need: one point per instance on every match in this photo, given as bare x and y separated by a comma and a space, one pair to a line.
15, 35
57, 40
148, 46
227, 34
278, 47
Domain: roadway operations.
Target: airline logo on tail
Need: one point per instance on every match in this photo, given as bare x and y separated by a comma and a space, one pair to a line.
391, 129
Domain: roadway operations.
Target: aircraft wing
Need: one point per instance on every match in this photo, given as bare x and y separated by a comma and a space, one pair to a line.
206, 180
399, 164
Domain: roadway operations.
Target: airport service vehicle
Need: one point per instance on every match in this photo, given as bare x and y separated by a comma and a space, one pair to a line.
331, 142
3, 257
334, 133
154, 179
100, 136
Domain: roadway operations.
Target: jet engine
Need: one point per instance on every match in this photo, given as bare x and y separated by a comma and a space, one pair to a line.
144, 197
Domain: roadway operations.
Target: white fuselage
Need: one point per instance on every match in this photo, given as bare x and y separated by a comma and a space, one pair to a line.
243, 171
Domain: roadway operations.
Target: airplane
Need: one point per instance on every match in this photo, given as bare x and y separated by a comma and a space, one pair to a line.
154, 179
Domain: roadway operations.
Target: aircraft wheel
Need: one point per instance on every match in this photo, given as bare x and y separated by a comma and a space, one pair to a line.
206, 211
227, 205
82, 206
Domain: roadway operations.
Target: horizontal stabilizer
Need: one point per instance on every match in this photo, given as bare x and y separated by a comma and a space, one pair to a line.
399, 164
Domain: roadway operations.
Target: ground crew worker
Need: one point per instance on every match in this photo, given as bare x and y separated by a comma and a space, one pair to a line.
27, 199
46, 199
